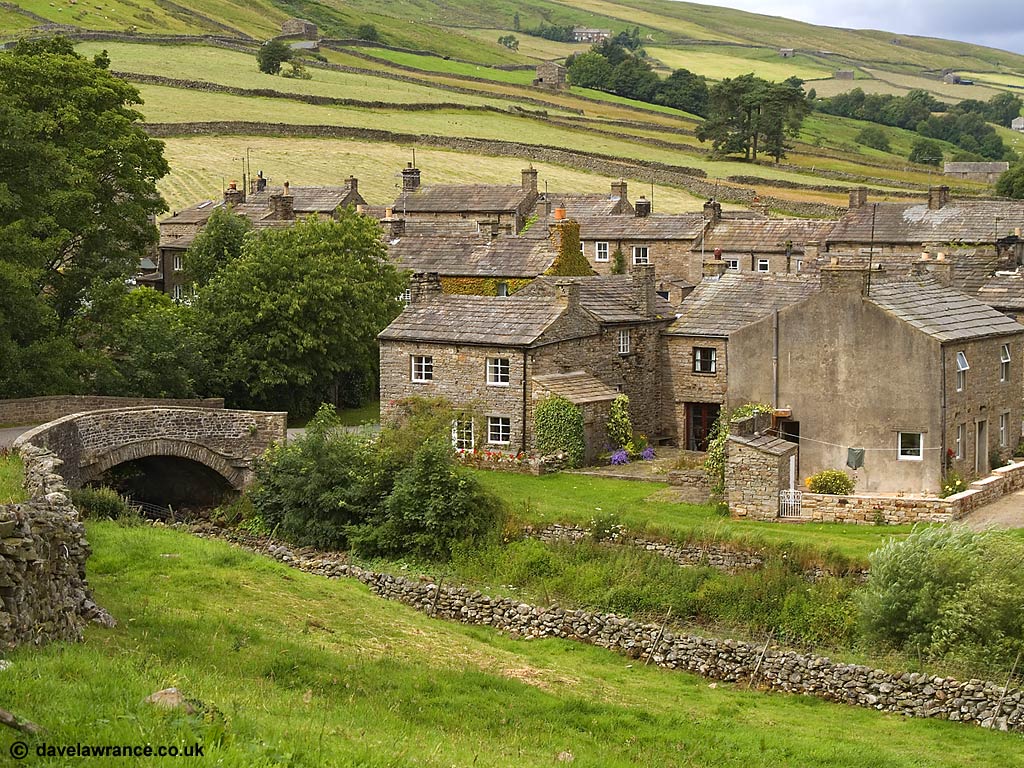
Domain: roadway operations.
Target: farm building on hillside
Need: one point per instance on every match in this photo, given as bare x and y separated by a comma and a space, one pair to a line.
587, 35
987, 172
300, 28
787, 53
550, 74
1017, 124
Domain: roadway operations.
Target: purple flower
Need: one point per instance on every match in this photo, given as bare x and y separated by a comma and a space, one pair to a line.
620, 457
647, 453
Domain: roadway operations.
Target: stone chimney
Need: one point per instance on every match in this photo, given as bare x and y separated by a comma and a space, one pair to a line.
410, 178
233, 195
423, 287
712, 212
940, 269
568, 294
937, 197
557, 231
643, 290
619, 189
353, 185
812, 248
642, 207
841, 279
713, 269
858, 198
543, 209
530, 180
282, 206
396, 227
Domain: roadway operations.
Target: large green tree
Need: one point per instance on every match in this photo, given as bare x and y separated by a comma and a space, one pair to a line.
77, 193
217, 245
293, 321
1011, 182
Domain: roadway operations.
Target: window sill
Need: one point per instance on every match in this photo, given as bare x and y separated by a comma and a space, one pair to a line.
422, 381
498, 384
706, 374
910, 458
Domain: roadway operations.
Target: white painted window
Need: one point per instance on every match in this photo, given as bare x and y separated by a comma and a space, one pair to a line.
910, 446
1004, 363
178, 266
961, 429
462, 434
406, 296
499, 430
962, 368
178, 292
799, 265
1004, 429
497, 371
641, 255
422, 368
762, 265
582, 252
624, 340
600, 251
733, 265
704, 359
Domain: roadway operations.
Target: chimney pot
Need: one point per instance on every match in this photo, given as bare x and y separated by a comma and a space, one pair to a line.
559, 213
642, 207
287, 187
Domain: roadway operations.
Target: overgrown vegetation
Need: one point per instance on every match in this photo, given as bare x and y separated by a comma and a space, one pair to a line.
714, 461
831, 481
559, 427
104, 503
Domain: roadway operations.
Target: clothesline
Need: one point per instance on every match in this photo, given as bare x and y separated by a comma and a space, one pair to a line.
801, 438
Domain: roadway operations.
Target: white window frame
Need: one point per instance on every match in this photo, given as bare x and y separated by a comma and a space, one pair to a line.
499, 371
601, 254
1004, 363
499, 426
646, 259
424, 365
178, 262
961, 430
697, 359
962, 367
460, 428
732, 265
625, 342
910, 456
799, 265
178, 292
1004, 428
763, 266
406, 296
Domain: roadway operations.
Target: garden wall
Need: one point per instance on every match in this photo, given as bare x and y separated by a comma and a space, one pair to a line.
39, 410
44, 595
770, 668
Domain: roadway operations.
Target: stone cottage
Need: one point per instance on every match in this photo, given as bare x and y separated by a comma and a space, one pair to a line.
506, 205
587, 338
893, 380
766, 245
698, 345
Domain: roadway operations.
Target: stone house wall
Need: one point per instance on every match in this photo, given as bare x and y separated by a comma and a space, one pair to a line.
460, 376
38, 410
682, 385
753, 479
44, 595
671, 258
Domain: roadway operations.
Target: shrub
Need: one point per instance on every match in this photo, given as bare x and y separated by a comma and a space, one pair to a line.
559, 426
271, 55
832, 481
620, 426
433, 506
952, 483
946, 592
102, 504
618, 266
714, 459
873, 137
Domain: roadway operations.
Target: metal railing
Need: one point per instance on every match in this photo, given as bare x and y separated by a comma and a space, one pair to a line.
790, 503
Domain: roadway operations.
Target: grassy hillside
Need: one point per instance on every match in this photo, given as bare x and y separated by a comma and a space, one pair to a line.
296, 670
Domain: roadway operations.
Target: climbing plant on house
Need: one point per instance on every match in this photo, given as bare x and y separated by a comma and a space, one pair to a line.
714, 459
559, 427
620, 427
570, 261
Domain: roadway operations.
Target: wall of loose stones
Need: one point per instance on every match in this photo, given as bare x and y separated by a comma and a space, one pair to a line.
39, 410
770, 668
44, 595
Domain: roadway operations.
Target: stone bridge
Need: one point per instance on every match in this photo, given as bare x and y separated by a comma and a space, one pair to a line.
90, 443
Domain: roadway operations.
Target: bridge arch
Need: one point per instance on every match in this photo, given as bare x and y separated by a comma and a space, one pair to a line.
237, 477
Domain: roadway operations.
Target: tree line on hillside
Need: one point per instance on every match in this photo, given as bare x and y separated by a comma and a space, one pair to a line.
965, 125
281, 319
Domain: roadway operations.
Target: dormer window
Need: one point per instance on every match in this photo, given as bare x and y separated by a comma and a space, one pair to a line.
962, 368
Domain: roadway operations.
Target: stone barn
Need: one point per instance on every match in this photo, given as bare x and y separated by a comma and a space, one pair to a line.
550, 75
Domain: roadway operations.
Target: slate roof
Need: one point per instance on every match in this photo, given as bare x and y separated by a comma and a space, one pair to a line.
968, 221
975, 167
720, 307
765, 235
576, 387
475, 198
459, 256
768, 443
460, 319
1003, 290
683, 226
943, 313
306, 200
606, 297
194, 214
587, 205
180, 243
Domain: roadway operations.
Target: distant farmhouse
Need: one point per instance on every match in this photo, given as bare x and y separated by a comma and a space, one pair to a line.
952, 78
987, 172
588, 35
1017, 124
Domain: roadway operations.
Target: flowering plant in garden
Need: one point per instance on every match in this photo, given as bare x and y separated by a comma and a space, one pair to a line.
620, 457
484, 458
952, 483
647, 453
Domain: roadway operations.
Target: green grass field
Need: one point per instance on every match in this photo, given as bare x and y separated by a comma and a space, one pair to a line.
296, 670
723, 62
10, 479
447, 66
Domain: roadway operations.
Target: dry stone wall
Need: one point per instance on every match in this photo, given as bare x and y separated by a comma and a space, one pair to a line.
44, 595
39, 410
770, 668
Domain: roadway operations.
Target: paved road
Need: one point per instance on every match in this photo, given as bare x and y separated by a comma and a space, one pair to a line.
9, 434
1008, 512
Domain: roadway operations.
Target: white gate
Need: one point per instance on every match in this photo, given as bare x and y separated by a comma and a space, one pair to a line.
790, 503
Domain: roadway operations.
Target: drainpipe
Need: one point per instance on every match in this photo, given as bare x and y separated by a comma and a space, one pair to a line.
524, 402
775, 360
942, 451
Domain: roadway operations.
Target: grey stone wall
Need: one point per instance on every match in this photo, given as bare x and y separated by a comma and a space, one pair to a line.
682, 385
44, 595
769, 667
38, 410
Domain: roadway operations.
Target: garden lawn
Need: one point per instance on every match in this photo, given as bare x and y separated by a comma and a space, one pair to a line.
298, 670
638, 505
